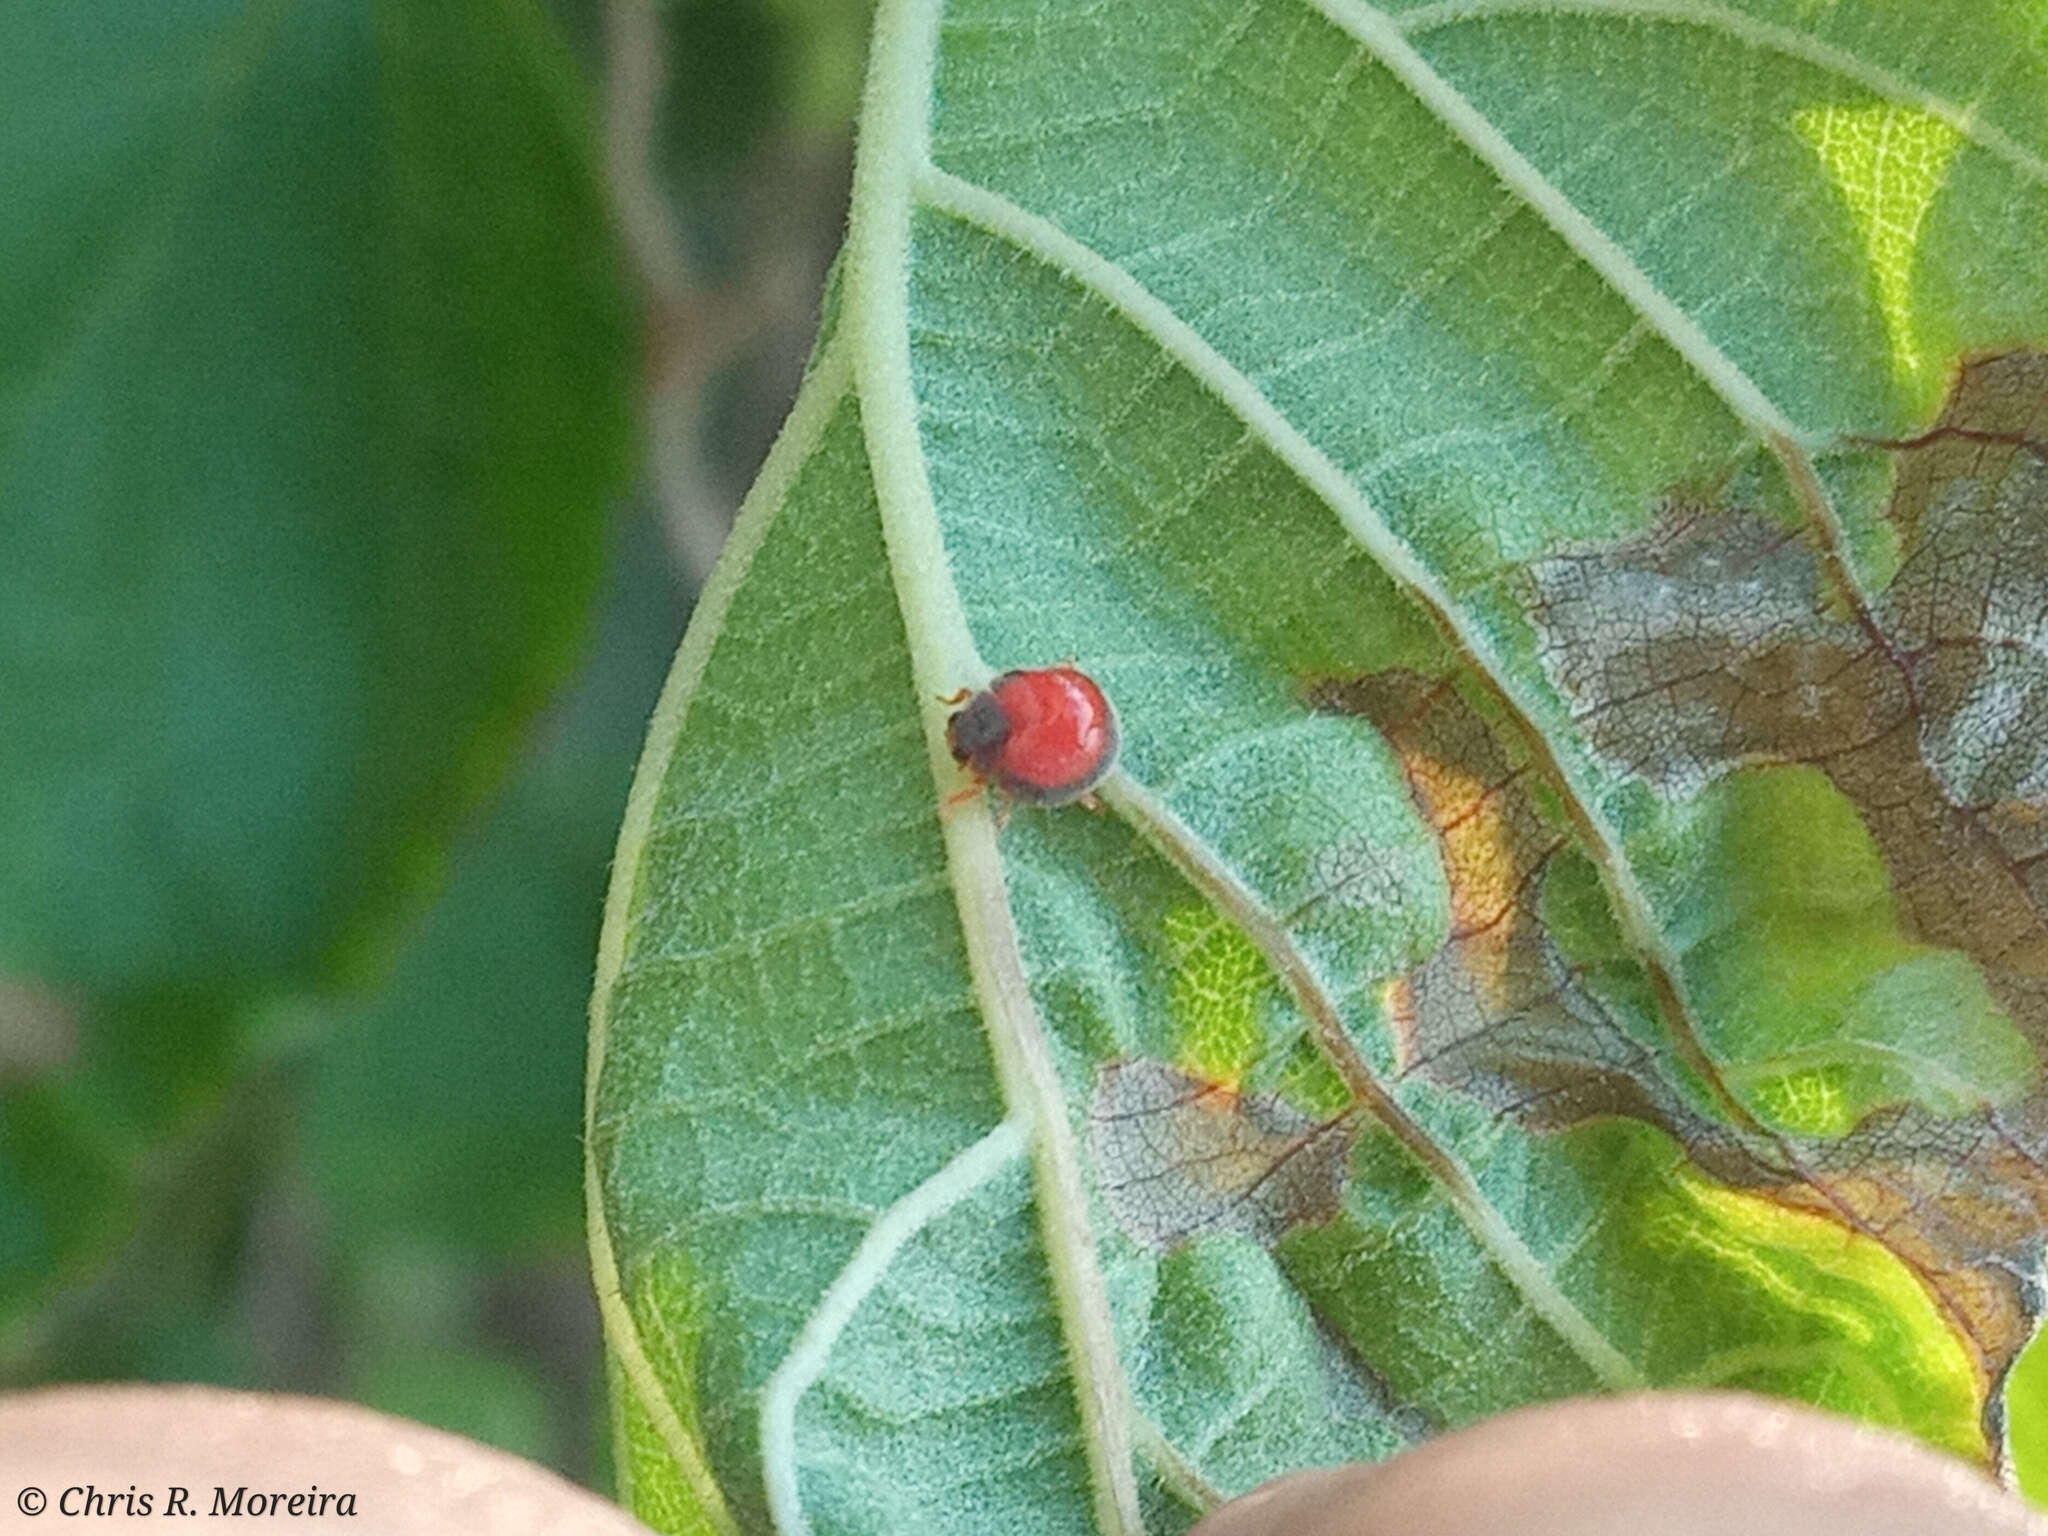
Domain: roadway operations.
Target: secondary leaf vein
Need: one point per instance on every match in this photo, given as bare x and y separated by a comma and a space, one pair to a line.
805, 1363
1787, 41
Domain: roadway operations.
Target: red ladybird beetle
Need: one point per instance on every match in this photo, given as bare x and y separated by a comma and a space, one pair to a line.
1043, 735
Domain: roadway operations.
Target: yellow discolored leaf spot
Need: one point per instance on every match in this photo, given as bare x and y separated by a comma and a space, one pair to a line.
1889, 163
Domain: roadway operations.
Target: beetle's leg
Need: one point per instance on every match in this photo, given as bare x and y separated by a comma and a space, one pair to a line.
952, 803
957, 698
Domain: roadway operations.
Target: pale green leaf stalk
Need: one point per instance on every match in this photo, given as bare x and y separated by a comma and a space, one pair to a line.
1555, 495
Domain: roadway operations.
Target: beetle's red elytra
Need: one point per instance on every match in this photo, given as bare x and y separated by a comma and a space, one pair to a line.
1042, 735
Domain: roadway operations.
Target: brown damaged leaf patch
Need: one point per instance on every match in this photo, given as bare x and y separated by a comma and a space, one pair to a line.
1713, 643
1179, 1157
1498, 1012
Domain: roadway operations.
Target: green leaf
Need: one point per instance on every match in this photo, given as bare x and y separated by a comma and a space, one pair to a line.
91, 1136
445, 1108
467, 1394
64, 1198
1568, 555
317, 377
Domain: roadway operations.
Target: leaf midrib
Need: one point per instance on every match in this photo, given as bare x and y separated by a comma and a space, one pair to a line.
894, 143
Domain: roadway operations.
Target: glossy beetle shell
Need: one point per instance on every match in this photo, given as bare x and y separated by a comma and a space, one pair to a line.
1042, 735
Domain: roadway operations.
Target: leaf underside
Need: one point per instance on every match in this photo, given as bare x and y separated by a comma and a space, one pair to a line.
1559, 498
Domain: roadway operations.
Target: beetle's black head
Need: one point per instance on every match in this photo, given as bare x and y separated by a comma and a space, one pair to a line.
977, 733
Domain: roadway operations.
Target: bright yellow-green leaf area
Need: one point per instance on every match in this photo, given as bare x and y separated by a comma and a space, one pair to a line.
1889, 163
1869, 1310
660, 1494
2026, 1409
1814, 1100
1219, 980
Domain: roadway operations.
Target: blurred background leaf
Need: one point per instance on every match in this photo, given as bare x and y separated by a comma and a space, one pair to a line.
306, 465
317, 706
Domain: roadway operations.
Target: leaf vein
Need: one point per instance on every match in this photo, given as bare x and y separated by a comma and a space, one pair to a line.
1771, 36
1494, 1235
968, 1172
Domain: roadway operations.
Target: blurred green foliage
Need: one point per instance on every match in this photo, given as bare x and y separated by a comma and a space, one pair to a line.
317, 706
306, 463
